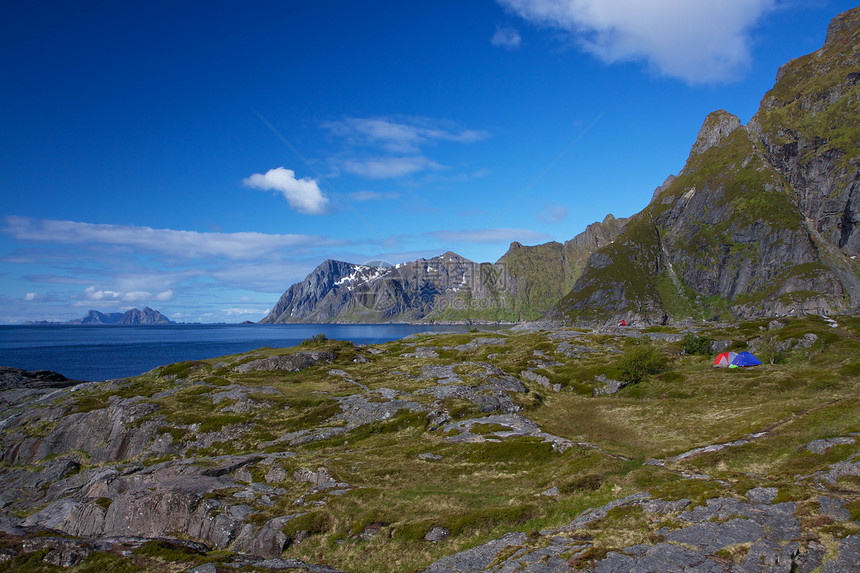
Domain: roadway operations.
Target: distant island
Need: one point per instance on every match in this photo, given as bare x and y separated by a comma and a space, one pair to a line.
133, 317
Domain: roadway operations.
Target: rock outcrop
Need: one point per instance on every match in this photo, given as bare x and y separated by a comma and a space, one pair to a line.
703, 538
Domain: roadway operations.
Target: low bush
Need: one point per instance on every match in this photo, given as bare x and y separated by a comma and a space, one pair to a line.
315, 340
693, 344
640, 361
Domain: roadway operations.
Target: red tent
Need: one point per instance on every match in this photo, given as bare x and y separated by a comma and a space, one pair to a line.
725, 359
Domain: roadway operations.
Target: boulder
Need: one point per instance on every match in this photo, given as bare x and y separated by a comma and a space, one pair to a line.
289, 362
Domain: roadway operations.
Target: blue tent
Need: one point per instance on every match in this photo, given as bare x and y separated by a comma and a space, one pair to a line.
745, 359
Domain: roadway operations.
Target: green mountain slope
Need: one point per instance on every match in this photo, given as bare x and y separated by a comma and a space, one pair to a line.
762, 220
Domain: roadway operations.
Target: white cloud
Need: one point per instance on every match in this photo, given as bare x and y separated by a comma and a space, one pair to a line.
243, 312
304, 195
506, 37
388, 167
92, 293
492, 236
99, 295
31, 296
401, 135
383, 147
164, 296
701, 41
179, 244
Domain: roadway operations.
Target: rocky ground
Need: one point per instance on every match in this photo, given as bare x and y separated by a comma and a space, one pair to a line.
526, 450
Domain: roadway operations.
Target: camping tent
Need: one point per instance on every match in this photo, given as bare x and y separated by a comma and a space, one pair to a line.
745, 359
724, 360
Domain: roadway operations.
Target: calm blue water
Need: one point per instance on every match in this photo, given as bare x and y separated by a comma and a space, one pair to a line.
106, 352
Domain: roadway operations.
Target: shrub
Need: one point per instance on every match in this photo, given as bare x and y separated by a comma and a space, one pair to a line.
315, 339
693, 344
769, 350
640, 361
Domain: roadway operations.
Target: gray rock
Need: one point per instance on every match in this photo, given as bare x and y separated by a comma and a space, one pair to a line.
840, 470
62, 552
423, 352
770, 530
848, 557
123, 429
443, 373
762, 494
534, 377
660, 506
276, 474
478, 342
665, 336
572, 350
477, 559
278, 564
429, 456
516, 425
717, 127
437, 534
551, 492
229, 464
807, 341
320, 477
821, 446
14, 378
609, 386
268, 541
834, 508
205, 568
718, 346
289, 362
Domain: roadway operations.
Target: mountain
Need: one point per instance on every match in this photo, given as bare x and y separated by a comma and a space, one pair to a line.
761, 221
763, 218
130, 317
522, 285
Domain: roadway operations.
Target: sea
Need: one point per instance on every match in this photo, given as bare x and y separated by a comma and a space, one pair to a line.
97, 353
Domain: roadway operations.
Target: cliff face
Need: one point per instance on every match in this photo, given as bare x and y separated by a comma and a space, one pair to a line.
761, 221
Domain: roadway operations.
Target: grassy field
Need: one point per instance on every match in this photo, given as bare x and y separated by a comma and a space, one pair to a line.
482, 489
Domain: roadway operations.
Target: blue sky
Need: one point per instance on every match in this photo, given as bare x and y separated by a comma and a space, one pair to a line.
200, 158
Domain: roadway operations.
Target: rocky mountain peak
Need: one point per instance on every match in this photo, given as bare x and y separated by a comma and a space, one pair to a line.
843, 27
450, 256
716, 127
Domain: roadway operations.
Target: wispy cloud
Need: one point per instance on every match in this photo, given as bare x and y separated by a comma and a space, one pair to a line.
304, 195
391, 147
506, 37
241, 311
93, 294
698, 42
389, 167
492, 236
401, 135
362, 196
173, 243
552, 214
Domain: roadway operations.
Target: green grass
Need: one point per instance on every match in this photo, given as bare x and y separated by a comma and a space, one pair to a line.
482, 490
